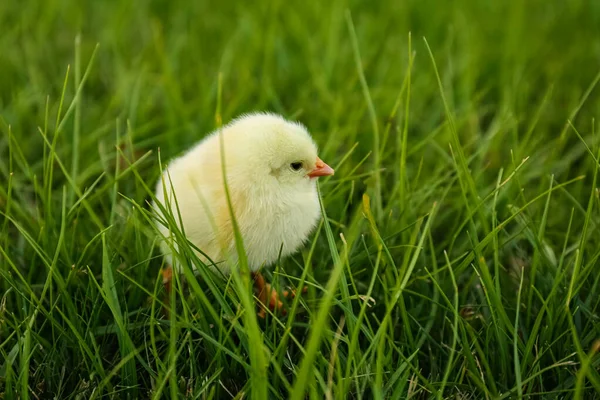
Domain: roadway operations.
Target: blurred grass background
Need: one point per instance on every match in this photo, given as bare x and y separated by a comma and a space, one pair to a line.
79, 287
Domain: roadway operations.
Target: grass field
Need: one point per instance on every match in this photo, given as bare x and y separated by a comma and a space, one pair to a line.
460, 253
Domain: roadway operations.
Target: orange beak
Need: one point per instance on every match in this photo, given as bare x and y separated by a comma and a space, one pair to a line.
321, 169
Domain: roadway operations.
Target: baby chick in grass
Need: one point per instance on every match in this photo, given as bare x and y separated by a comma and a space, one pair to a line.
271, 166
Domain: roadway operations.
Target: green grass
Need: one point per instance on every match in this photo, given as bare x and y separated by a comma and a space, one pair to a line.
459, 256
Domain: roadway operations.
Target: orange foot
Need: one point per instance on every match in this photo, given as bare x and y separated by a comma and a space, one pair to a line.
269, 296
167, 274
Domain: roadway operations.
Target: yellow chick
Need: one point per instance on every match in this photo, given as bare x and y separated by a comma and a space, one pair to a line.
271, 166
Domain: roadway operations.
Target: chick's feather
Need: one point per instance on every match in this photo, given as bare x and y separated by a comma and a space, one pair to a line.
275, 206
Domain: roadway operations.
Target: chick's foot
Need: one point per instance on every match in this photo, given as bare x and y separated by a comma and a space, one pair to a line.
269, 297
167, 274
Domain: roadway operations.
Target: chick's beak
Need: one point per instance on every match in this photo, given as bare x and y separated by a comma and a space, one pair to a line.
321, 169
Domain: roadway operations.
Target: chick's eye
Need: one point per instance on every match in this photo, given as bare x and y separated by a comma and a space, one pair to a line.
296, 166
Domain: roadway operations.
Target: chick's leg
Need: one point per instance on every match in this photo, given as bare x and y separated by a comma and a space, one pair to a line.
269, 296
266, 295
167, 274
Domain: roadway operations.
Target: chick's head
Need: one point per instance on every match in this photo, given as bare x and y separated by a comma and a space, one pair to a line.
274, 152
